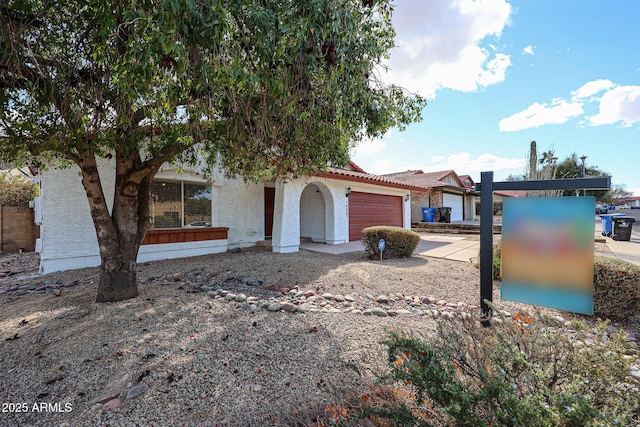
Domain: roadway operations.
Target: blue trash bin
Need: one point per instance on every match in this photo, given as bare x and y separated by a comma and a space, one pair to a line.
607, 223
428, 214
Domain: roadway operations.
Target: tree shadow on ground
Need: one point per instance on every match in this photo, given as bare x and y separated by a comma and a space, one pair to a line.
205, 361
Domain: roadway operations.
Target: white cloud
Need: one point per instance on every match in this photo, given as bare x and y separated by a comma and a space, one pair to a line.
536, 115
436, 159
439, 45
466, 163
381, 167
369, 147
529, 50
591, 88
634, 190
620, 104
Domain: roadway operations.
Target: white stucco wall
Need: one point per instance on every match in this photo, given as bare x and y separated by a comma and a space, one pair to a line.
239, 206
68, 238
69, 241
289, 223
312, 214
67, 232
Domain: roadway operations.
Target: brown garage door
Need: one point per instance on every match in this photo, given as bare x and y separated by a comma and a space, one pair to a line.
366, 209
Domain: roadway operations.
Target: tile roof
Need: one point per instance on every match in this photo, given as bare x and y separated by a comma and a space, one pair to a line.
353, 175
511, 193
428, 180
468, 178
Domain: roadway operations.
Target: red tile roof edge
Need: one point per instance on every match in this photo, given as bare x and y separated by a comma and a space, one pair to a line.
356, 168
347, 175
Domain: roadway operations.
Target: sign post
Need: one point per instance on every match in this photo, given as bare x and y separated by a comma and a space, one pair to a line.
486, 188
381, 246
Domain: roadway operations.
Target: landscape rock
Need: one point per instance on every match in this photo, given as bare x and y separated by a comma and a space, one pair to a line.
112, 404
380, 312
303, 308
288, 307
137, 391
274, 306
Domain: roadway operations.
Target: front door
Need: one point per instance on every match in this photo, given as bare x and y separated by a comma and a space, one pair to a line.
269, 201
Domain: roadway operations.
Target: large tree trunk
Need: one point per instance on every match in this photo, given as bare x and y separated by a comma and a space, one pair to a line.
120, 233
118, 280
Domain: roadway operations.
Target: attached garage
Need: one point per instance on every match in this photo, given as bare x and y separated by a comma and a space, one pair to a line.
454, 201
368, 209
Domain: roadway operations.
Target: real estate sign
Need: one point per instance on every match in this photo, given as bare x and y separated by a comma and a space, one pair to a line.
547, 252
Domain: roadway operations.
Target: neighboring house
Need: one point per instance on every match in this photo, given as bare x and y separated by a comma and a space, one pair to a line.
193, 215
440, 189
499, 196
631, 202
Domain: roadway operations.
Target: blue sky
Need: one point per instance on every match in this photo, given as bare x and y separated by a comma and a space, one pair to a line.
499, 74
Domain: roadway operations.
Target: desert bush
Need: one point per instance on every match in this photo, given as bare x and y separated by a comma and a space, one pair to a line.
617, 287
400, 242
616, 290
496, 260
16, 190
522, 371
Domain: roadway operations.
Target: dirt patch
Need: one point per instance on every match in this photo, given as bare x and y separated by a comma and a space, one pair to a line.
208, 359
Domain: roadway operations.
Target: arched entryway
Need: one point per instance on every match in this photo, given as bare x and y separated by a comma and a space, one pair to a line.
316, 208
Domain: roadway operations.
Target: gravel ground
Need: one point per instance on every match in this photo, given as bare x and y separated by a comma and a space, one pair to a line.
209, 341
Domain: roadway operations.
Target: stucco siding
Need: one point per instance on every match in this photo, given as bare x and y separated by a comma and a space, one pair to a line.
312, 207
68, 238
240, 207
68, 235
312, 214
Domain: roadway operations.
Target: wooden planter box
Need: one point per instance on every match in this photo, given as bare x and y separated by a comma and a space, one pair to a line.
180, 235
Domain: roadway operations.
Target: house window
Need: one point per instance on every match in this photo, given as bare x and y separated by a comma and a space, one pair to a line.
177, 204
449, 180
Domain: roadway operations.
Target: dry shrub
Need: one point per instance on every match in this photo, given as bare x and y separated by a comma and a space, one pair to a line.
617, 289
521, 371
400, 242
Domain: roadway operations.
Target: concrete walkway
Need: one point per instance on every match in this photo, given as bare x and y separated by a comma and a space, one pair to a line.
465, 248
456, 248
627, 250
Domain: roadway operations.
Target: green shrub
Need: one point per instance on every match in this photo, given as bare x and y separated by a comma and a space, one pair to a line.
496, 260
522, 371
16, 190
400, 242
617, 287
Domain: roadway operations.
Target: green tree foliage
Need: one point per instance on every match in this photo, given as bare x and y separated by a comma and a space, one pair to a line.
16, 190
268, 87
571, 167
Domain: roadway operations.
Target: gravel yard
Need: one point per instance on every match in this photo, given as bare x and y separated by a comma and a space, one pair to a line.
237, 339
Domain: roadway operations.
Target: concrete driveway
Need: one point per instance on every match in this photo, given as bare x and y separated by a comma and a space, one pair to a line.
466, 247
